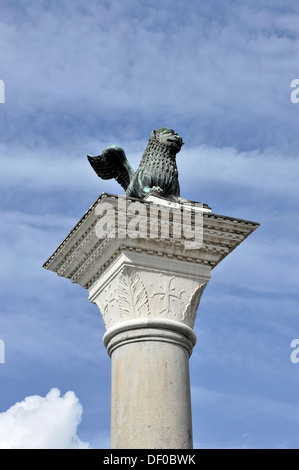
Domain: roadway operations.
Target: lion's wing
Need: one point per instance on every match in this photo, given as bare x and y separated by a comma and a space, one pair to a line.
113, 163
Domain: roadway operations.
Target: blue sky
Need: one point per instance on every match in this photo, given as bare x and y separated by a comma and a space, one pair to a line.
81, 76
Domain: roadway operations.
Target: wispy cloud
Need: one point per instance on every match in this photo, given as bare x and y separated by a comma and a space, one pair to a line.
254, 410
117, 65
266, 173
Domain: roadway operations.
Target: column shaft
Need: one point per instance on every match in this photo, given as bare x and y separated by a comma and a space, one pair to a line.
150, 390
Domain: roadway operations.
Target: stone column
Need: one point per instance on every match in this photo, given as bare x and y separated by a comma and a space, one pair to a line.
148, 291
149, 305
150, 396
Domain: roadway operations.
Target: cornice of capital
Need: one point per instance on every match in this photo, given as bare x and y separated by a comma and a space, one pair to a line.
182, 231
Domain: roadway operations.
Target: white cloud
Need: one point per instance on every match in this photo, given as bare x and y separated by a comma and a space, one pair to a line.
42, 423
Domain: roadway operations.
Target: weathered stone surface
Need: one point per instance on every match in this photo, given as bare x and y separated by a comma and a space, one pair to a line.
139, 285
150, 395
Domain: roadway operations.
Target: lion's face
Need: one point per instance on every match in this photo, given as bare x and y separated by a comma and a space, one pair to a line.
168, 137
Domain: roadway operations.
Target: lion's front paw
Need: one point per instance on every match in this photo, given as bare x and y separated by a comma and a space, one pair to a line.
156, 189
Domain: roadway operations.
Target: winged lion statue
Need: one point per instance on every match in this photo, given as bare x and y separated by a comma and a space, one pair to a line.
157, 170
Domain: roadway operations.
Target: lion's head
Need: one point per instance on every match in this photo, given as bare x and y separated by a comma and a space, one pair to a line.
168, 137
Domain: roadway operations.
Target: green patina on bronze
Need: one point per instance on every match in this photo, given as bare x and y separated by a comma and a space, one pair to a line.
157, 170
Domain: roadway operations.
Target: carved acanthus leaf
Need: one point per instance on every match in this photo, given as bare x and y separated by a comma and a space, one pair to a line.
192, 306
132, 296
